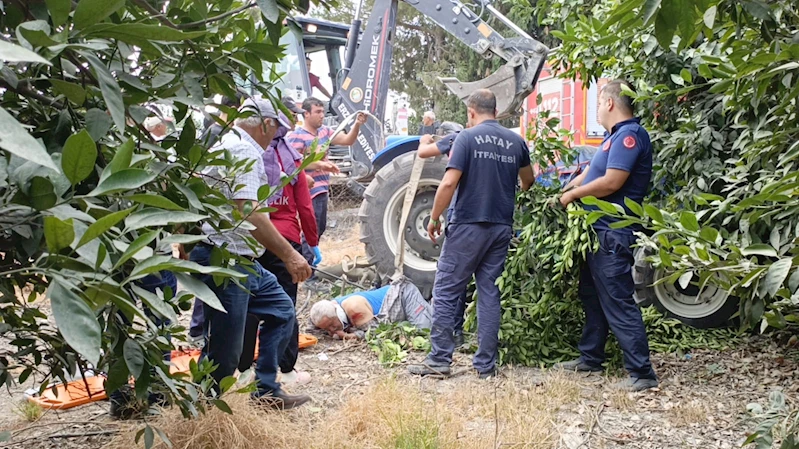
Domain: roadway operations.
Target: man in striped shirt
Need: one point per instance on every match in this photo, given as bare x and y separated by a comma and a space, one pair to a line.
301, 140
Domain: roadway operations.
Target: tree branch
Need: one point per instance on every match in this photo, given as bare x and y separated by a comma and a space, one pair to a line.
413, 27
23, 88
156, 13
216, 18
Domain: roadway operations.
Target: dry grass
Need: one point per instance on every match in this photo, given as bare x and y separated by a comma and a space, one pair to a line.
621, 400
390, 414
335, 249
687, 414
29, 411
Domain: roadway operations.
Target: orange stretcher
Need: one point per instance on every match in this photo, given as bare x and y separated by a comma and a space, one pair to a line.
181, 360
306, 341
72, 394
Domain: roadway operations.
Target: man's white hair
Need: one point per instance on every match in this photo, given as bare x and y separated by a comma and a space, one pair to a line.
252, 121
323, 309
430, 114
151, 122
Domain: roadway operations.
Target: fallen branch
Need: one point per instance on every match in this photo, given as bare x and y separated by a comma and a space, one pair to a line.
354, 383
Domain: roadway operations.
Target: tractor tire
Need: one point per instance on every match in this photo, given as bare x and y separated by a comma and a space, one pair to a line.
710, 308
380, 216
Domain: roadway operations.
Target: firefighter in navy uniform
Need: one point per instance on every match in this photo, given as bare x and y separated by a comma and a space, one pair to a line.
622, 168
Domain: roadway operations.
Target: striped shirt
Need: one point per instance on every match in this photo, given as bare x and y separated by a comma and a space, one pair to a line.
242, 147
301, 140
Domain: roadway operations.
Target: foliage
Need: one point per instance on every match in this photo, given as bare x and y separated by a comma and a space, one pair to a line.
391, 341
542, 316
89, 202
779, 421
717, 88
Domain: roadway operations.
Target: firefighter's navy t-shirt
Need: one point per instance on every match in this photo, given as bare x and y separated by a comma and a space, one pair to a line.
626, 147
490, 157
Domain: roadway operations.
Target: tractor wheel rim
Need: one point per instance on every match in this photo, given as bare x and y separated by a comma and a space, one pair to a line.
391, 217
709, 301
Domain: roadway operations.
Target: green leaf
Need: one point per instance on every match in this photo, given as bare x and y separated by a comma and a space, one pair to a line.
685, 279
757, 9
156, 303
78, 157
76, 321
134, 33
709, 17
16, 140
759, 249
226, 383
654, 213
42, 193
776, 274
200, 291
688, 221
634, 207
793, 281
136, 246
155, 201
606, 206
112, 93
157, 217
98, 123
269, 9
134, 357
123, 180
711, 235
650, 8
118, 376
677, 79
222, 405
14, 53
122, 158
149, 437
184, 239
58, 234
686, 75
74, 92
59, 11
103, 224
89, 12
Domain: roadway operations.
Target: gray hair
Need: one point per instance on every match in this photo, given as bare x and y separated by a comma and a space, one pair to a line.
430, 114
615, 90
323, 309
483, 101
252, 121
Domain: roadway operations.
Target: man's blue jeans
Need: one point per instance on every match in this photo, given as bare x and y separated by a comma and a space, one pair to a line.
263, 298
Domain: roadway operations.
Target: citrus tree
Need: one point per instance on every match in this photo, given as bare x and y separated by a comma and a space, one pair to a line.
90, 203
717, 80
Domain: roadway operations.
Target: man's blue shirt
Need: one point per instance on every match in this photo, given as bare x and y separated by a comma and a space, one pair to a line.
489, 157
626, 147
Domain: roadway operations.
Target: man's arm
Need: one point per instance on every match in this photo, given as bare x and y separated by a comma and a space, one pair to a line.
324, 166
578, 180
350, 138
267, 235
427, 147
443, 199
613, 180
527, 177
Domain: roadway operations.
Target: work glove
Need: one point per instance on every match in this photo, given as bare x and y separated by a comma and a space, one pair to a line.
317, 256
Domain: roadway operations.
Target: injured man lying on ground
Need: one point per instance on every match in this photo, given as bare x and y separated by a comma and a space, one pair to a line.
349, 317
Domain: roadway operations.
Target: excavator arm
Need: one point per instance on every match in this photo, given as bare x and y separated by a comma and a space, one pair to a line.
367, 67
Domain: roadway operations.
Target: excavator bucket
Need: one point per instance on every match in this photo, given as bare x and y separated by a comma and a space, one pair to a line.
511, 84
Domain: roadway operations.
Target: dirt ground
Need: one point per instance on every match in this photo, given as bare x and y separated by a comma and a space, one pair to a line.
701, 403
